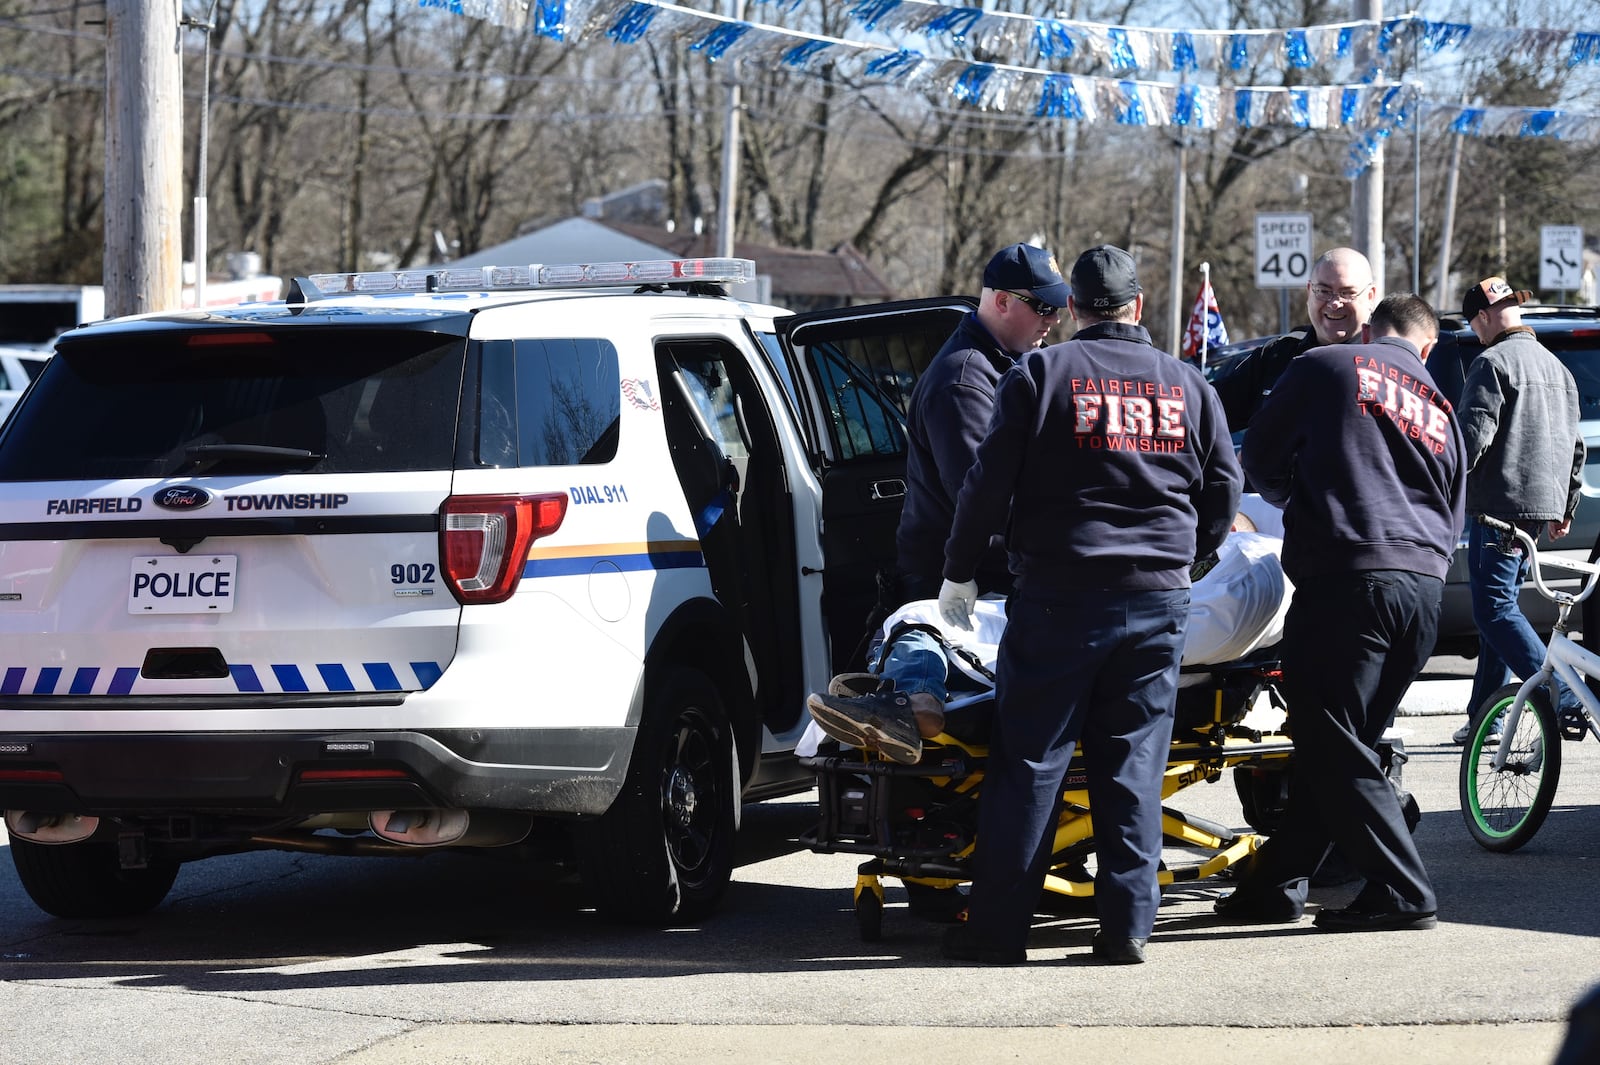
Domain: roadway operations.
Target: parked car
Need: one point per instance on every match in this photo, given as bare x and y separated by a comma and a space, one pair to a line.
18, 368
1573, 335
542, 560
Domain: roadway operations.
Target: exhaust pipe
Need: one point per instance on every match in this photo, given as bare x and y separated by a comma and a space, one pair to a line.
53, 829
400, 832
450, 827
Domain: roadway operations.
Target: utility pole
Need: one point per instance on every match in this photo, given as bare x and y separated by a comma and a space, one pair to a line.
1175, 269
727, 204
1447, 227
1366, 189
201, 210
144, 157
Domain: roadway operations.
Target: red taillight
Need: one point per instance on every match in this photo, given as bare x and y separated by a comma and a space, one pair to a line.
309, 775
484, 541
32, 776
207, 340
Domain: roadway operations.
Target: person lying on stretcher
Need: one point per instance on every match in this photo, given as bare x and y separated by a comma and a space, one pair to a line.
1237, 606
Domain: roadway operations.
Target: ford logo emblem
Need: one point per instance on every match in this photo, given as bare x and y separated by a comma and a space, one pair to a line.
182, 497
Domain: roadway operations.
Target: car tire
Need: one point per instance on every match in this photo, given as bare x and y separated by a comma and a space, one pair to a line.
86, 880
664, 851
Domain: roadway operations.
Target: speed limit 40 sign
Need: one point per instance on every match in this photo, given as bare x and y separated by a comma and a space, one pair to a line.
1283, 250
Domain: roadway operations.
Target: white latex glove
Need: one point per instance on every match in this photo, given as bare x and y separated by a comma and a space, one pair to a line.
955, 603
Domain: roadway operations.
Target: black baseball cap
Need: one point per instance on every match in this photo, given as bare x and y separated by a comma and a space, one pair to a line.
1030, 269
1103, 278
1487, 293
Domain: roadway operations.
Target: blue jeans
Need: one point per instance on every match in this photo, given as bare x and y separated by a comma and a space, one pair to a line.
915, 661
1507, 644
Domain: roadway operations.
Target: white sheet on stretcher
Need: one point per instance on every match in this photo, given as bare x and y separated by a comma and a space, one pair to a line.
1234, 609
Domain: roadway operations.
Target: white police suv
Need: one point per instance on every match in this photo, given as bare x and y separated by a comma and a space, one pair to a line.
537, 558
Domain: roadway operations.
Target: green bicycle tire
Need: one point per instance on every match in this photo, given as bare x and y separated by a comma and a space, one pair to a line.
1504, 809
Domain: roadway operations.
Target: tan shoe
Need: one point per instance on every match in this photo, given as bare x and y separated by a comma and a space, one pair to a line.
851, 685
879, 721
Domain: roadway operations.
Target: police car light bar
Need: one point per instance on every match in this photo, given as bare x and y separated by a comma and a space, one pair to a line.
552, 275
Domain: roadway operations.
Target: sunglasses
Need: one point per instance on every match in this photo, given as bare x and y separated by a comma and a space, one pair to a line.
1034, 304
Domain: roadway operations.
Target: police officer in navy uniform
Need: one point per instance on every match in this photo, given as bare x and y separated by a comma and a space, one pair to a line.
1114, 463
1365, 456
1022, 300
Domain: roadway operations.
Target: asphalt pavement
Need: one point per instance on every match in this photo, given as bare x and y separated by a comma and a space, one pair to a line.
280, 959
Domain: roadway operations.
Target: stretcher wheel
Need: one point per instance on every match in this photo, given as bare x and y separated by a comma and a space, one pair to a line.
869, 916
1263, 795
943, 905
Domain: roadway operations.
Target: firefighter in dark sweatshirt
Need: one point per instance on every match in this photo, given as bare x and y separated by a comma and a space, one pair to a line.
1364, 456
1114, 464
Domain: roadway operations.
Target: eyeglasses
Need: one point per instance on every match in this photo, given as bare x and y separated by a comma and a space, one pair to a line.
1034, 304
1346, 295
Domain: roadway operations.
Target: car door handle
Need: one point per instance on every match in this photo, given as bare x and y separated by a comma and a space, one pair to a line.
894, 488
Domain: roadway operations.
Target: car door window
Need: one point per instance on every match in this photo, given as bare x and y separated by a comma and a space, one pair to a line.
864, 372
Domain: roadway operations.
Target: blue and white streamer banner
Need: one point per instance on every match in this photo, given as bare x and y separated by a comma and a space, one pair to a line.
1371, 112
998, 87
1549, 123
1124, 49
1361, 47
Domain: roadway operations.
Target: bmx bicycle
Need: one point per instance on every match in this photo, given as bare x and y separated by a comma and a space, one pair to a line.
1511, 762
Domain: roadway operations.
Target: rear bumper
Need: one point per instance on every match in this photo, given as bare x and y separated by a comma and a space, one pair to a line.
543, 771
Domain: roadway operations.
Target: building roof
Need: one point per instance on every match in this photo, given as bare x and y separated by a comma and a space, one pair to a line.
841, 276
843, 272
573, 240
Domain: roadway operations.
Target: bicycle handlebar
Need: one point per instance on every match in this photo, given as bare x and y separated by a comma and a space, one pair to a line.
1590, 570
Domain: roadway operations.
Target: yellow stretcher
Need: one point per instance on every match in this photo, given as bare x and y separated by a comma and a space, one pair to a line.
919, 822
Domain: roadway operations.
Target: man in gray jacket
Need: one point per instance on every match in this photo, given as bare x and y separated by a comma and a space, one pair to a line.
1519, 422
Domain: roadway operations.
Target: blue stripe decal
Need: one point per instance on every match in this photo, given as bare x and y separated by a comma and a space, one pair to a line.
122, 680
569, 567
335, 677
382, 676
289, 678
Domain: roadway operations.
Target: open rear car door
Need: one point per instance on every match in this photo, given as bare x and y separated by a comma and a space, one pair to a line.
853, 369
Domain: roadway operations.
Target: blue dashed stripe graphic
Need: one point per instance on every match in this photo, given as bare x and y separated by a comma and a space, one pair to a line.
289, 678
382, 677
279, 677
335, 678
245, 679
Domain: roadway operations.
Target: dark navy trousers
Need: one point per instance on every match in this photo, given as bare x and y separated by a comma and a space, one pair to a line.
1352, 645
1101, 667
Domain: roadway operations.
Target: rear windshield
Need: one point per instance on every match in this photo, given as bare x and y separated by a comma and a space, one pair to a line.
293, 400
1578, 349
